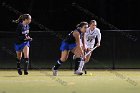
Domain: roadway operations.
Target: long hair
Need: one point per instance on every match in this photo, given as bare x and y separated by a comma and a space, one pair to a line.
21, 18
81, 25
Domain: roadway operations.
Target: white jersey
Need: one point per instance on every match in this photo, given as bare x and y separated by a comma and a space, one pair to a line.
90, 37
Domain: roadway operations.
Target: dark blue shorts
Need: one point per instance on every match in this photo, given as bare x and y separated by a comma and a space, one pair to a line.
19, 47
67, 46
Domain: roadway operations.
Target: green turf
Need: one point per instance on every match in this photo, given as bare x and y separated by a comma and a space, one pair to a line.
96, 81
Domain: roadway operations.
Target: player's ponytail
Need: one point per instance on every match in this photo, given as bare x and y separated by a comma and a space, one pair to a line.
81, 25
21, 18
78, 26
18, 20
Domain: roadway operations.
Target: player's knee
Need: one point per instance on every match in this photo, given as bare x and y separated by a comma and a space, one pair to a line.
63, 59
77, 55
18, 57
86, 60
26, 56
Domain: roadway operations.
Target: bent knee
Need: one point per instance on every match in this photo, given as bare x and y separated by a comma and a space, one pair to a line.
86, 60
63, 59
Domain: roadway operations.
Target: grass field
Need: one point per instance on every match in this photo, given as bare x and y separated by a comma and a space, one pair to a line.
95, 81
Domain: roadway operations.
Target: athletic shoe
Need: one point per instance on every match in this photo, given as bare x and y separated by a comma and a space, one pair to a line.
78, 72
55, 72
19, 71
26, 73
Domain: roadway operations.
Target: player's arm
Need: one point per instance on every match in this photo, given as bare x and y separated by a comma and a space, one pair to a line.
77, 38
98, 38
26, 34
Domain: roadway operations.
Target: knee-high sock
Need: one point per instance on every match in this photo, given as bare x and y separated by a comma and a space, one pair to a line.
26, 64
81, 65
58, 64
77, 63
18, 63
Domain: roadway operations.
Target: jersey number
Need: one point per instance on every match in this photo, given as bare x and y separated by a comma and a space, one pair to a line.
90, 39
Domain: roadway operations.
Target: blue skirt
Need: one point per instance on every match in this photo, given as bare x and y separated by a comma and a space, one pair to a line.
67, 46
19, 47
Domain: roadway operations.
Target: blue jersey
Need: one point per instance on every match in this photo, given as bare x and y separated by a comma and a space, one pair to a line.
22, 32
70, 38
70, 42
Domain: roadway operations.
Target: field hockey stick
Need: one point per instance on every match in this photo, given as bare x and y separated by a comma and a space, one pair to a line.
90, 51
84, 68
88, 54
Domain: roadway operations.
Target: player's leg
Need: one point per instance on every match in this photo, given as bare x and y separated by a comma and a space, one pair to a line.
26, 59
18, 59
88, 58
64, 56
78, 62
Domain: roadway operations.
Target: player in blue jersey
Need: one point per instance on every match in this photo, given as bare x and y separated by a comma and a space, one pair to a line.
72, 43
22, 42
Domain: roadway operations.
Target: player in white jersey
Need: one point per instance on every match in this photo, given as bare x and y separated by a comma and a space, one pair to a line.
91, 33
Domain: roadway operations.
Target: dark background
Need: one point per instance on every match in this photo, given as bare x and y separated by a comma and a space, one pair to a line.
119, 48
61, 15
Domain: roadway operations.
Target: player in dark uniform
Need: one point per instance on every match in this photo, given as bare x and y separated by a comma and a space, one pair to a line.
72, 43
22, 42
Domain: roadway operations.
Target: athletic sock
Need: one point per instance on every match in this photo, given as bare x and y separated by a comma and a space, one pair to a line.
81, 65
77, 62
26, 60
18, 63
58, 64
18, 66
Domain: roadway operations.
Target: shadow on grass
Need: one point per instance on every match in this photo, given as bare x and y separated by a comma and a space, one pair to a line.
10, 76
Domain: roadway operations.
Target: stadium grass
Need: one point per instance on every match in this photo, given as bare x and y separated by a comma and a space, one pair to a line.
95, 81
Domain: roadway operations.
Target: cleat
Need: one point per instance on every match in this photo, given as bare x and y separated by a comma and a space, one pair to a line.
78, 72
26, 73
19, 71
55, 72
